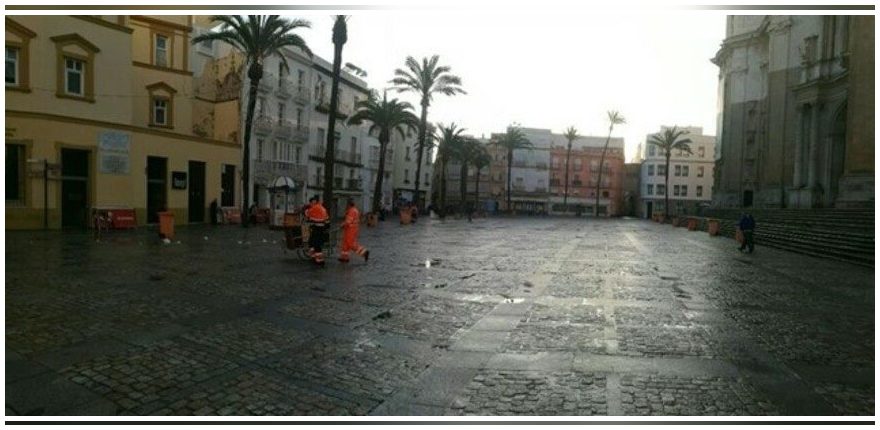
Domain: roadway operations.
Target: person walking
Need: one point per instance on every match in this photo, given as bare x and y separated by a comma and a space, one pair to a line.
316, 216
350, 227
747, 226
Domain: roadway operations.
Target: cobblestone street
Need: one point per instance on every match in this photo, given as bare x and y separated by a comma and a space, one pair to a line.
502, 316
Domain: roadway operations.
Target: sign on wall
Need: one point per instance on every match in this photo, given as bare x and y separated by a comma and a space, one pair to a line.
178, 180
113, 152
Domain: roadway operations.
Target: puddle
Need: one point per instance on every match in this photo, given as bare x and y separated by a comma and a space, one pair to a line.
513, 300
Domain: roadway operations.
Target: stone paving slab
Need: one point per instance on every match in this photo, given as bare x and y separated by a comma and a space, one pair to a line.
520, 316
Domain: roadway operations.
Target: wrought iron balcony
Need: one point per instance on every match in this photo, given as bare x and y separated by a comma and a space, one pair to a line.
266, 170
301, 94
267, 82
263, 124
284, 129
285, 89
300, 134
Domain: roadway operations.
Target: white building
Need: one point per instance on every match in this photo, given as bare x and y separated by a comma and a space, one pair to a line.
529, 175
404, 153
690, 176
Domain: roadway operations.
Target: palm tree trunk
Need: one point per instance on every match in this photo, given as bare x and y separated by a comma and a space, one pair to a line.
255, 73
509, 167
666, 191
599, 183
377, 192
477, 191
329, 154
423, 128
565, 193
462, 186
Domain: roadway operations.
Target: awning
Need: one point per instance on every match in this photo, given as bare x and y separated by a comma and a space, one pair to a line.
283, 183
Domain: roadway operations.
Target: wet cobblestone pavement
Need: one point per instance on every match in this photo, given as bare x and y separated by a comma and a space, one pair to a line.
496, 317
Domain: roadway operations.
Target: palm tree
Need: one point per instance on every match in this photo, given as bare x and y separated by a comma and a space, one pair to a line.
666, 141
480, 160
571, 134
614, 118
512, 140
425, 79
340, 36
448, 139
386, 116
257, 37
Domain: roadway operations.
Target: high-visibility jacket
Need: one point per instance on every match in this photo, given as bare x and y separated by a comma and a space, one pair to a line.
317, 214
352, 221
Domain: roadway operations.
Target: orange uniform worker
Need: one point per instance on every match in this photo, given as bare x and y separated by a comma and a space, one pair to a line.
350, 229
316, 216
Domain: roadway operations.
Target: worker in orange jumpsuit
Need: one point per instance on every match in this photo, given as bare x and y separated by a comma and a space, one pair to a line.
319, 221
350, 233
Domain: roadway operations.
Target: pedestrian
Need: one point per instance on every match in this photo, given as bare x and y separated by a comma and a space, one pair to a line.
350, 227
414, 210
316, 216
747, 226
213, 212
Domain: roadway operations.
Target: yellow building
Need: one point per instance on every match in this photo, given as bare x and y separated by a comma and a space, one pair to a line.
107, 104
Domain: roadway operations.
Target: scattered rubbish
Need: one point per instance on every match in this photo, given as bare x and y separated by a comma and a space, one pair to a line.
166, 241
264, 241
513, 300
382, 316
239, 242
156, 276
468, 276
527, 291
178, 242
440, 286
528, 284
206, 237
316, 288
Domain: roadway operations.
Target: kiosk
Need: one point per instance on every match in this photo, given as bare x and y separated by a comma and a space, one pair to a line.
283, 200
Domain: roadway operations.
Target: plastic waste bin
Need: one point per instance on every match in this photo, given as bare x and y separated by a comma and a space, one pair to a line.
714, 227
692, 224
166, 225
405, 216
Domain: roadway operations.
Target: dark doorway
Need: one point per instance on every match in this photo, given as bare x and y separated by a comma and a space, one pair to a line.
74, 188
649, 209
157, 191
196, 191
227, 182
747, 198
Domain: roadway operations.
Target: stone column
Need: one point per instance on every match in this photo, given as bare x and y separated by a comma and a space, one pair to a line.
812, 161
798, 148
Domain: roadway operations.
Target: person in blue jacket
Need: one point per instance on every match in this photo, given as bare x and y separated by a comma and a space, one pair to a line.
747, 225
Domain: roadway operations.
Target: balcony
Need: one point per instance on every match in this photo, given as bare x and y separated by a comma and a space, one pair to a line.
353, 184
301, 94
284, 129
539, 190
541, 165
300, 134
341, 156
267, 170
337, 183
577, 183
519, 163
263, 125
267, 82
285, 89
555, 183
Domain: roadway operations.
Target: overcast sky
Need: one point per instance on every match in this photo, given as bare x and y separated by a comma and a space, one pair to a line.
547, 69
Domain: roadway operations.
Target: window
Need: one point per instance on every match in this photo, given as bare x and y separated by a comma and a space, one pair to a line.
300, 78
677, 170
14, 172
261, 106
685, 170
161, 50
280, 112
577, 164
74, 76
684, 190
426, 179
652, 150
320, 136
406, 176
650, 170
650, 189
275, 151
661, 170
661, 190
299, 117
699, 191
407, 153
12, 57
701, 152
700, 171
676, 190
161, 107
259, 149
160, 111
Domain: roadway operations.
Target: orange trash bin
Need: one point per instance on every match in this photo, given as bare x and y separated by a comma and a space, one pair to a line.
166, 225
714, 227
405, 216
692, 224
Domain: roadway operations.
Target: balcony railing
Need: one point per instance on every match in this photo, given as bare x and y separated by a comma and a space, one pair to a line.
267, 82
283, 129
353, 184
340, 155
517, 163
301, 94
270, 169
555, 183
284, 89
337, 183
541, 165
263, 125
300, 134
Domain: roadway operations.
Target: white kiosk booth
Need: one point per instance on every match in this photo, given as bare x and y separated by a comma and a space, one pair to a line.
283, 199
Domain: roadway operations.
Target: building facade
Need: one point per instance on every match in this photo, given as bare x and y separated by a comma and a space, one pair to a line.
690, 176
404, 169
583, 175
632, 183
796, 112
100, 115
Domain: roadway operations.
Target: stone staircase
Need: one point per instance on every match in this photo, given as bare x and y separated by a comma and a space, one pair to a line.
841, 234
